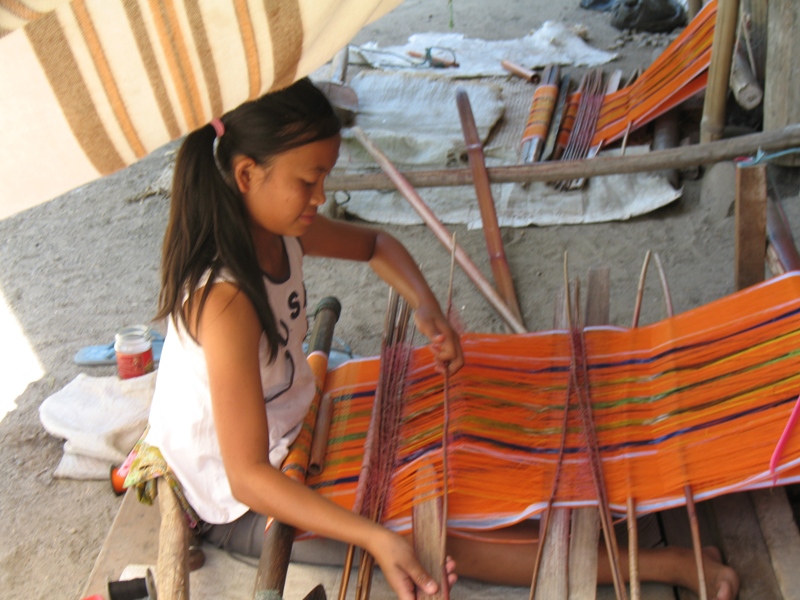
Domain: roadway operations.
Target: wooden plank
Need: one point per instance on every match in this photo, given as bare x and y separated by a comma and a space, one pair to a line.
781, 536
552, 578
751, 225
743, 546
586, 521
172, 566
781, 92
131, 540
583, 553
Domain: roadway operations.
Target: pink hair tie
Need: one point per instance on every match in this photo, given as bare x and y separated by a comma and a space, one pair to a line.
218, 127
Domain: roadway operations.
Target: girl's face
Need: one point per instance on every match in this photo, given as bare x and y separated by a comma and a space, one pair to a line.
283, 197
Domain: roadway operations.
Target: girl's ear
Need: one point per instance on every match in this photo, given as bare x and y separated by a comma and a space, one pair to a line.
243, 170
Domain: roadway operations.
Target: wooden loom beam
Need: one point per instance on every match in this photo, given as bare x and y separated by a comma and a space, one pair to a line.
673, 158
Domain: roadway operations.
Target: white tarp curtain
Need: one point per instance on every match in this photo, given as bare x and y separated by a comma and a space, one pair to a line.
91, 86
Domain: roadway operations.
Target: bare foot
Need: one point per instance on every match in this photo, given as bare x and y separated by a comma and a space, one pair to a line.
722, 582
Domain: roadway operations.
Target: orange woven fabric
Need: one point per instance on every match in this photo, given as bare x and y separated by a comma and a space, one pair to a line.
698, 399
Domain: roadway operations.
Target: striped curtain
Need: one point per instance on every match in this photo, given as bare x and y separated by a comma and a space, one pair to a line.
90, 86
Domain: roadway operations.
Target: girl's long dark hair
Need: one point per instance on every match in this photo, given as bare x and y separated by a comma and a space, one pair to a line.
208, 226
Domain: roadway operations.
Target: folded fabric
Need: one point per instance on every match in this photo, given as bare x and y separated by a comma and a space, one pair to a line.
101, 418
93, 356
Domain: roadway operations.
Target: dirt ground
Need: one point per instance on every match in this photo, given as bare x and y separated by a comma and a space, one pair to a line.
80, 266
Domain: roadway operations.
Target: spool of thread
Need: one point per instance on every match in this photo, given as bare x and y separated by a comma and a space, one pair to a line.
133, 589
117, 481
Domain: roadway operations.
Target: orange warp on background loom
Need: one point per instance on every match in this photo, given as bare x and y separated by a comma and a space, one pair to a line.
698, 399
679, 72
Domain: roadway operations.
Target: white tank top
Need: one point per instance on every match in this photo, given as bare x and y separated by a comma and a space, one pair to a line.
181, 420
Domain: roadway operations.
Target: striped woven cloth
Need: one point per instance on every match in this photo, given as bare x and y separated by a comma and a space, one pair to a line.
91, 86
700, 399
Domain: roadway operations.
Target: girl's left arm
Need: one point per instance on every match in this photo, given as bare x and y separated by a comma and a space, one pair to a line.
393, 263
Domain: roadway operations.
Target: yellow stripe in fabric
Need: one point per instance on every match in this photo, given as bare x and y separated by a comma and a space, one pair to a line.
250, 49
58, 63
112, 92
286, 33
150, 63
177, 57
200, 36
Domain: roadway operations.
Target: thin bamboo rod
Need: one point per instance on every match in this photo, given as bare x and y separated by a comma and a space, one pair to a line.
696, 544
662, 275
637, 309
672, 158
491, 229
633, 552
440, 231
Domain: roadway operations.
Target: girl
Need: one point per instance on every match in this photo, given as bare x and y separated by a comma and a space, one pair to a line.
233, 385
244, 212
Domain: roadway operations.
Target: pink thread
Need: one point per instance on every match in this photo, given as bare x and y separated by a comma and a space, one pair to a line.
776, 455
218, 127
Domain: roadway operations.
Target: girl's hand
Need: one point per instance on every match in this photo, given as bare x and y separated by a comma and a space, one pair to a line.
399, 565
445, 341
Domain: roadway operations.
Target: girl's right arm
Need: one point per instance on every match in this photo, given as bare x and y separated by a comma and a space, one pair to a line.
229, 333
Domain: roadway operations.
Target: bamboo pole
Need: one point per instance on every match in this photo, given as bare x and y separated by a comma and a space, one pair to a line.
719, 71
440, 231
491, 229
677, 158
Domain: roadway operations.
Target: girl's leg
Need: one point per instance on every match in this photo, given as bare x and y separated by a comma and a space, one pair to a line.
497, 561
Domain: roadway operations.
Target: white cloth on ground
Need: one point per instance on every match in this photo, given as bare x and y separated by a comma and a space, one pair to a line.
101, 418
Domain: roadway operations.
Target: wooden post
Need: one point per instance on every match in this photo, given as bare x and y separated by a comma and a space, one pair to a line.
172, 568
674, 158
782, 81
751, 225
692, 8
719, 71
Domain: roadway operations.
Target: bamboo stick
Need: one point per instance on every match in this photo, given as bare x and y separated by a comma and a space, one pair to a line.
491, 229
678, 158
719, 71
633, 552
439, 230
520, 71
637, 309
696, 544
